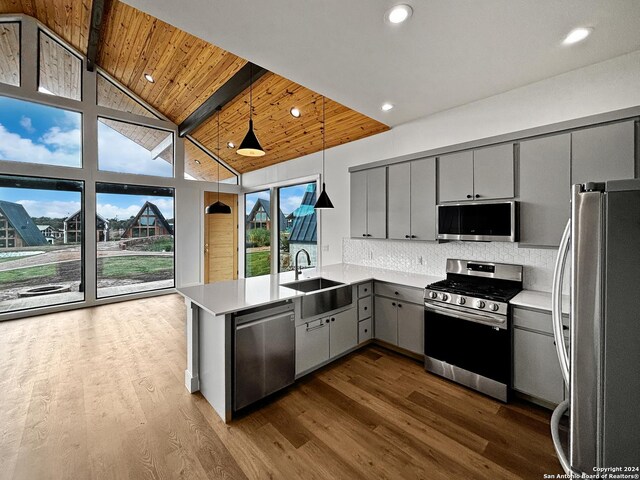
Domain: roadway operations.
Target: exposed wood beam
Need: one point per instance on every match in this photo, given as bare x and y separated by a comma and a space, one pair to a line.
98, 16
227, 92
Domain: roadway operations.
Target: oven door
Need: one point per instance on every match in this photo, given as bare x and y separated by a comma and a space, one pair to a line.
468, 352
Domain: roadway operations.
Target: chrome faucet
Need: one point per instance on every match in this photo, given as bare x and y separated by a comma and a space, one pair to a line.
298, 271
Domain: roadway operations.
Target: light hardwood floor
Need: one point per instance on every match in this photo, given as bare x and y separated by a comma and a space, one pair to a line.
98, 393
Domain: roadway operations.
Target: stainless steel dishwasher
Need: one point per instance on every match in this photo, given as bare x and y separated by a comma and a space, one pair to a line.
264, 353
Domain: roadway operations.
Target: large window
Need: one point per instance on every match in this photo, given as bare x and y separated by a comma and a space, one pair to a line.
10, 53
257, 233
129, 148
34, 133
135, 239
41, 233
298, 226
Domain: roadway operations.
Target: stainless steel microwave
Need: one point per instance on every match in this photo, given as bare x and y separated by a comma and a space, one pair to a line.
479, 222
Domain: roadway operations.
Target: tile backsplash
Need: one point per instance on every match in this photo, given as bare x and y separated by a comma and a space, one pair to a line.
430, 258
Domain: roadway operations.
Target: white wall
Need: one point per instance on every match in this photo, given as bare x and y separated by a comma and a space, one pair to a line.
603, 87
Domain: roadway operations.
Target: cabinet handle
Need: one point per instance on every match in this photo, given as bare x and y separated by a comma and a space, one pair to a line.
364, 234
393, 304
366, 308
564, 327
477, 195
469, 196
407, 236
366, 290
399, 306
414, 236
365, 330
327, 321
333, 319
396, 293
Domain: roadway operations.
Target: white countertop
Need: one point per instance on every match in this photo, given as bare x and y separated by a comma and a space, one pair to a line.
538, 300
231, 296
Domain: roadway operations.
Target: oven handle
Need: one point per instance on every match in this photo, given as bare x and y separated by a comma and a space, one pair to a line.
477, 318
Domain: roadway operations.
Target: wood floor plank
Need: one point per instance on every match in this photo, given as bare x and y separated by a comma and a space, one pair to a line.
99, 394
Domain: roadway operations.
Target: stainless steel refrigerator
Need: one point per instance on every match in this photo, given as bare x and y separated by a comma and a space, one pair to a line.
601, 366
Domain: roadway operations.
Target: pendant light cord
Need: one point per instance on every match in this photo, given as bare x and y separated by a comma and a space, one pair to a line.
250, 92
219, 154
324, 128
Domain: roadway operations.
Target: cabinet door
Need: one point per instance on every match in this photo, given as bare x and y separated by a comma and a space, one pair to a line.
423, 199
603, 153
399, 219
343, 334
536, 370
411, 327
386, 320
312, 345
377, 203
358, 210
455, 176
493, 175
544, 189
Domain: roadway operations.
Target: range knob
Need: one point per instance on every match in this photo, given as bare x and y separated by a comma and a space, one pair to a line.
433, 295
479, 304
462, 300
444, 297
493, 307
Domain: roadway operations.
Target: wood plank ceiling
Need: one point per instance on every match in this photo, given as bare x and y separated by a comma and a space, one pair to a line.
188, 70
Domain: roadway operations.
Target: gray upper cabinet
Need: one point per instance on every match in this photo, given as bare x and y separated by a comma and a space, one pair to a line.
603, 153
493, 172
483, 174
369, 203
455, 177
412, 200
544, 189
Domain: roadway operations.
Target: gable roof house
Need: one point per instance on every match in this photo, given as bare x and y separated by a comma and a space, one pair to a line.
148, 222
17, 228
72, 229
260, 215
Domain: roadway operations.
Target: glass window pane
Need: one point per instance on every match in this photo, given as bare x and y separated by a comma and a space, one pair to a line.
40, 246
297, 225
109, 95
60, 71
133, 254
257, 235
10, 53
200, 165
129, 148
34, 133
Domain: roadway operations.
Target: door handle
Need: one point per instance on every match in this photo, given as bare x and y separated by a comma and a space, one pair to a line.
556, 303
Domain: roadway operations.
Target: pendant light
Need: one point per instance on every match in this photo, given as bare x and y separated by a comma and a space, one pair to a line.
218, 207
323, 200
250, 146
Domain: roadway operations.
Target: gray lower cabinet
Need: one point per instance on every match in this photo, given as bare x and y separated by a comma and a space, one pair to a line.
343, 332
319, 340
412, 200
603, 153
400, 323
411, 327
369, 203
493, 172
386, 320
536, 371
455, 177
312, 345
544, 189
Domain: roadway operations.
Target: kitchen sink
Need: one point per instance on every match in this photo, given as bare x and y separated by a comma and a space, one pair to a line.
311, 284
322, 295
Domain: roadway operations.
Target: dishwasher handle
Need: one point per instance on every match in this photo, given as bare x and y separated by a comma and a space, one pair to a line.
263, 320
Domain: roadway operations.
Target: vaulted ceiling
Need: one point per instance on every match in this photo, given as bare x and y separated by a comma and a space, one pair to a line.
188, 70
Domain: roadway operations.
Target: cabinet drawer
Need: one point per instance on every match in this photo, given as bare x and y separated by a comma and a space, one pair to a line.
538, 321
364, 330
364, 308
400, 292
364, 289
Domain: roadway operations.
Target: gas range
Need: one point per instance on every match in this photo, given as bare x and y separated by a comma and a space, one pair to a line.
477, 288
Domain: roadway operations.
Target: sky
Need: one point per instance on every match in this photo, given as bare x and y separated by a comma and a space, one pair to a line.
35, 133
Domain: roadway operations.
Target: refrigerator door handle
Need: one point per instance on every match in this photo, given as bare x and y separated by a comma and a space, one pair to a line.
555, 435
556, 303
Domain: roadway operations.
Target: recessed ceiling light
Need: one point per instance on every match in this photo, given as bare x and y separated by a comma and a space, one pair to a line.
149, 78
295, 112
577, 35
231, 145
386, 107
197, 161
398, 14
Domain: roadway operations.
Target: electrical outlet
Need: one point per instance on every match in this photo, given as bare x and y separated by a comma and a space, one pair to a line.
419, 259
325, 248
370, 254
